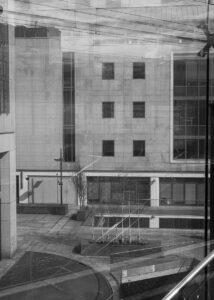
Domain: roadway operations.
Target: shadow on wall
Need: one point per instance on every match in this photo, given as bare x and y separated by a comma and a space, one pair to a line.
29, 193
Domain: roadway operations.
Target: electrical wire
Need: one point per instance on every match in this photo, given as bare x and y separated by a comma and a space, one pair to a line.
112, 27
76, 11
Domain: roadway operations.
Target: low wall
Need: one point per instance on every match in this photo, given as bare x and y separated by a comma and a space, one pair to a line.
42, 208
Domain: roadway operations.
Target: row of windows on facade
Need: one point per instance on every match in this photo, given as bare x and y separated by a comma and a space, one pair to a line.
138, 148
173, 191
108, 70
138, 109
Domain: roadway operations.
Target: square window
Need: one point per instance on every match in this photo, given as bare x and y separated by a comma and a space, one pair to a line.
138, 70
138, 109
108, 109
108, 71
108, 148
138, 148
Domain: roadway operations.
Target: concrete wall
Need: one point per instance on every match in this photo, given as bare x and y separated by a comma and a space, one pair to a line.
7, 157
155, 128
39, 102
47, 190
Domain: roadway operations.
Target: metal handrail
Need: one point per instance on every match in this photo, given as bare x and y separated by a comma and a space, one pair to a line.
189, 276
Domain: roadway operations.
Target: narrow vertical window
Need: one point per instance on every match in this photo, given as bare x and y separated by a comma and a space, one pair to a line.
4, 70
69, 107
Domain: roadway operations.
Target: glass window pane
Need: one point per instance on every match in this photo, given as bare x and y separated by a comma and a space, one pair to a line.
202, 112
108, 109
179, 149
192, 150
178, 193
202, 148
202, 72
179, 73
179, 112
138, 109
192, 112
108, 148
190, 193
192, 72
138, 148
200, 193
105, 192
165, 193
139, 70
93, 190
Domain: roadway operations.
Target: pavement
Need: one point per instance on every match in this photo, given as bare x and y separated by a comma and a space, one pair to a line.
55, 236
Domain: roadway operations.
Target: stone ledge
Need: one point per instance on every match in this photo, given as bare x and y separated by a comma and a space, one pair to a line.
42, 208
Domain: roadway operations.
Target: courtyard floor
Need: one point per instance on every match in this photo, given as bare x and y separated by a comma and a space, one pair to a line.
44, 266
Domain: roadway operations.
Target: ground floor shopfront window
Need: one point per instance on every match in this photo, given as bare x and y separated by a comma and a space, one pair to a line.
114, 190
182, 191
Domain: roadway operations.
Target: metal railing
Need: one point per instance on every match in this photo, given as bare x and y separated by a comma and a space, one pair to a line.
189, 276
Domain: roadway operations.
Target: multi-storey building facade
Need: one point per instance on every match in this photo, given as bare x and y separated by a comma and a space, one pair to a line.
127, 111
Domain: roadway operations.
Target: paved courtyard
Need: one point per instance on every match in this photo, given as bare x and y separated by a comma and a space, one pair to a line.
55, 236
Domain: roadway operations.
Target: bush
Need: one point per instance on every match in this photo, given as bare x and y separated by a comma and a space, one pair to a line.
77, 249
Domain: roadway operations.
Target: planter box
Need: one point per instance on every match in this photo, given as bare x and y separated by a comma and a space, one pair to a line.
42, 208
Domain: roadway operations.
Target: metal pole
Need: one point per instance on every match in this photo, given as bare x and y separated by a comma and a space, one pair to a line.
130, 237
61, 183
28, 188
207, 287
207, 145
122, 224
57, 192
32, 190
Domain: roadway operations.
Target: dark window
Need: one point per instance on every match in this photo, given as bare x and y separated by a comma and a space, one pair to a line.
108, 148
33, 32
69, 139
179, 72
182, 191
108, 109
108, 71
190, 77
69, 107
189, 107
139, 70
138, 148
4, 70
138, 109
189, 129
118, 190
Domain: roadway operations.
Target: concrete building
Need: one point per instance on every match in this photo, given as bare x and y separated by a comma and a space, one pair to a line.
7, 135
127, 110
